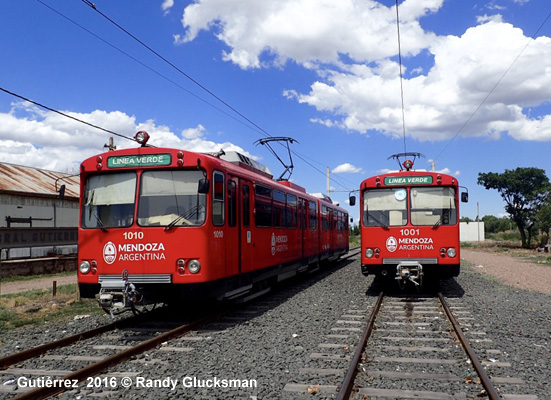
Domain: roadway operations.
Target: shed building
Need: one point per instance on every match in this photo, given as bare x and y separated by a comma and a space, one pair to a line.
29, 197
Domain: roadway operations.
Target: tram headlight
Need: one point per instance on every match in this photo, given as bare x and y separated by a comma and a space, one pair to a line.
194, 266
451, 252
84, 267
142, 137
369, 253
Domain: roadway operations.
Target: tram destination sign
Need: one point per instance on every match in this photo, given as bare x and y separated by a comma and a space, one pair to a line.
408, 180
144, 160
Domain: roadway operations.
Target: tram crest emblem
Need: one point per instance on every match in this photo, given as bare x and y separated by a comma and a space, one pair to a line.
391, 244
109, 252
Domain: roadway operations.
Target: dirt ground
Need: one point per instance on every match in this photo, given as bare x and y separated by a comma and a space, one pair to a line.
39, 283
509, 269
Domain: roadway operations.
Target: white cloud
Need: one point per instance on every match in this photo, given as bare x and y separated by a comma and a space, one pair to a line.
346, 168
43, 139
486, 18
351, 44
274, 31
167, 5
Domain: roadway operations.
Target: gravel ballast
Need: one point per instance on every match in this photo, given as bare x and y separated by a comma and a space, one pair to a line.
274, 340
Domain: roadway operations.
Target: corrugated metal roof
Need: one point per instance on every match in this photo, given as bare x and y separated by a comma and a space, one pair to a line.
28, 180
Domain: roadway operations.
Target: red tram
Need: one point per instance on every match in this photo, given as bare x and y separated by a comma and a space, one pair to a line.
410, 224
162, 225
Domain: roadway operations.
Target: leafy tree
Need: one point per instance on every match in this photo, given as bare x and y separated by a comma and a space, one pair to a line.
465, 219
544, 219
524, 191
493, 224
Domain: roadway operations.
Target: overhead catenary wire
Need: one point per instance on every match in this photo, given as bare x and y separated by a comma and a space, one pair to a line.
401, 76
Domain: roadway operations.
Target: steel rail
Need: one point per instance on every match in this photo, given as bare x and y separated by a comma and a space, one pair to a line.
348, 382
484, 378
39, 350
96, 368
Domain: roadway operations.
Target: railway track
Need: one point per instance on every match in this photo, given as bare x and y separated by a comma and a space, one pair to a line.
406, 347
427, 327
64, 381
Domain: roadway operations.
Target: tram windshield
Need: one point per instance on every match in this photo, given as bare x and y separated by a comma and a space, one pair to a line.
171, 198
433, 206
429, 206
109, 200
385, 207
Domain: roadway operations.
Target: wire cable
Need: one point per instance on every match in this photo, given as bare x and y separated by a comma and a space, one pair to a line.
401, 76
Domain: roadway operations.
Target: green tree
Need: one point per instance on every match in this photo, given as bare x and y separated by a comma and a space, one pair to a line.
544, 219
493, 224
524, 191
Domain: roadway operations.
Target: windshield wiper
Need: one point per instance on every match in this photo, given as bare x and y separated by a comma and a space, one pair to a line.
183, 216
100, 222
445, 213
381, 223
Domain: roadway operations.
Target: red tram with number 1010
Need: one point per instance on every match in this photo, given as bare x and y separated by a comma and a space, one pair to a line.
162, 225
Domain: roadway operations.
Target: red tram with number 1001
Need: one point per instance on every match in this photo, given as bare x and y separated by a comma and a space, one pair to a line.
162, 225
410, 224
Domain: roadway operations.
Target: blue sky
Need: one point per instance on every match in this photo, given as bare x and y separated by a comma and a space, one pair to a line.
323, 72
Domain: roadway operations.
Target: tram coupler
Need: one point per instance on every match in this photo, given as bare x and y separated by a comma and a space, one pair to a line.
410, 271
118, 298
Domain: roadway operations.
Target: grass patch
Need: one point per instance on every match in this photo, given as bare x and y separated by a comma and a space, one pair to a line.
354, 241
36, 307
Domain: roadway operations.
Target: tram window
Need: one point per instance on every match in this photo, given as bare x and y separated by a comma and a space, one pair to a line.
433, 206
384, 207
324, 218
171, 198
291, 211
263, 206
232, 203
246, 206
278, 210
218, 199
312, 215
109, 200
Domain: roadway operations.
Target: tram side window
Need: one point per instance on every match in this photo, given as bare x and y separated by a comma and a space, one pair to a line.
324, 218
218, 199
246, 206
312, 215
278, 210
433, 206
291, 211
232, 203
385, 207
263, 206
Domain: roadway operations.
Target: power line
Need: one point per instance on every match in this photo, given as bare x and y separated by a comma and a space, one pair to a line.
401, 76
204, 88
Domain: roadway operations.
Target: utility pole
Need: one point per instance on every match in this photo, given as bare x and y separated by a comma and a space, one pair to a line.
111, 146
